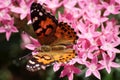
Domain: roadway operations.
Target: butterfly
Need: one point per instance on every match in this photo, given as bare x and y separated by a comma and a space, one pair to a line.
57, 39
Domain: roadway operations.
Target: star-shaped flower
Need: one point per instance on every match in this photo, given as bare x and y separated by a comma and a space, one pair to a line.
4, 15
69, 70
23, 10
108, 62
93, 68
8, 27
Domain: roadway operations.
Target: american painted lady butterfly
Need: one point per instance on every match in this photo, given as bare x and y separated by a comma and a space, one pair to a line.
57, 39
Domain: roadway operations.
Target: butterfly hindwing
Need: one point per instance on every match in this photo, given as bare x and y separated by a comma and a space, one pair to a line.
44, 59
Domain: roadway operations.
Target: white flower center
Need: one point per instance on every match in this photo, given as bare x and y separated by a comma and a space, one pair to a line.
108, 46
88, 35
7, 27
91, 6
1, 14
24, 9
7, 2
93, 67
111, 8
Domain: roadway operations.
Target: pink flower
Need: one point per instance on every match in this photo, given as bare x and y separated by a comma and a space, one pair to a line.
107, 62
110, 31
25, 40
93, 68
29, 42
41, 1
111, 8
4, 15
91, 11
5, 3
109, 47
70, 8
8, 27
69, 70
95, 17
88, 33
23, 10
53, 4
68, 18
56, 66
34, 44
69, 4
109, 38
117, 1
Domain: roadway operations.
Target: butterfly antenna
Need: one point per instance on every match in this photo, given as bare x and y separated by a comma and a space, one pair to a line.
26, 56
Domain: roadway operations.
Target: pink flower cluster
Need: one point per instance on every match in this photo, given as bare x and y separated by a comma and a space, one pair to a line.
98, 34
6, 21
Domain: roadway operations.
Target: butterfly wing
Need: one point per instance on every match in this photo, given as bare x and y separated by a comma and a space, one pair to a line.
47, 28
44, 24
65, 34
44, 59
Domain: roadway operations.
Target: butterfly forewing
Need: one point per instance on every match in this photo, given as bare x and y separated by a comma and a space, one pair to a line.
44, 24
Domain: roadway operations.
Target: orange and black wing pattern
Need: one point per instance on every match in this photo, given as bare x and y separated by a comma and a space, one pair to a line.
44, 24
57, 39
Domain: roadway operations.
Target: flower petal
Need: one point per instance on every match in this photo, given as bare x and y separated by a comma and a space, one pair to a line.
8, 34
97, 74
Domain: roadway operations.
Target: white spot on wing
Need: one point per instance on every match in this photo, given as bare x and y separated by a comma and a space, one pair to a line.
31, 62
31, 11
38, 68
34, 19
34, 9
40, 13
37, 65
27, 66
38, 10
